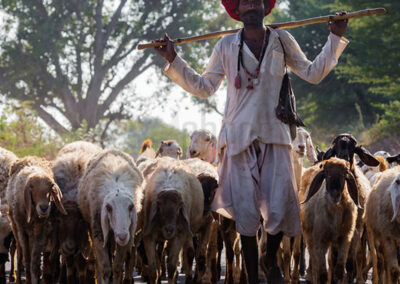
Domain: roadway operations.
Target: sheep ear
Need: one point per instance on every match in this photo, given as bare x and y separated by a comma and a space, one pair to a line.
395, 196
184, 219
180, 153
211, 153
366, 156
105, 224
57, 196
352, 188
315, 185
28, 202
329, 154
132, 228
392, 159
152, 218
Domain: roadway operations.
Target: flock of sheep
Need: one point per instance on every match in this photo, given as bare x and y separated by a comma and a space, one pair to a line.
94, 214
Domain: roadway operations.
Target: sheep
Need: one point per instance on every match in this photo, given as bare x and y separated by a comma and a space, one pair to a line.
373, 173
146, 152
203, 145
208, 233
6, 236
302, 146
173, 211
169, 148
328, 216
344, 146
87, 147
109, 197
30, 189
382, 218
393, 159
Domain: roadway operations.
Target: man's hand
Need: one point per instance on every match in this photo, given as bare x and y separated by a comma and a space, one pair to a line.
338, 27
166, 51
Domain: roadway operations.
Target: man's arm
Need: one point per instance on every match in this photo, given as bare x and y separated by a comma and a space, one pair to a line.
178, 71
326, 60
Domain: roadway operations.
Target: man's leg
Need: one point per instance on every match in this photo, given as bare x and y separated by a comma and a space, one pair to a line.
250, 254
274, 274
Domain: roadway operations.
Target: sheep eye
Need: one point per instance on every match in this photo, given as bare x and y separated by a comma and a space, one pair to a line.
109, 208
130, 207
208, 139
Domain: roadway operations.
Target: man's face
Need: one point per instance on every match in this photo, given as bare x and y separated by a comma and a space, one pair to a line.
251, 12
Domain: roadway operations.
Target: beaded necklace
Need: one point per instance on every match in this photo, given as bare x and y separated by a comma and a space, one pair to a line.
251, 78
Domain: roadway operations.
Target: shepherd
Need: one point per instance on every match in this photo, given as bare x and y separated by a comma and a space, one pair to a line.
255, 168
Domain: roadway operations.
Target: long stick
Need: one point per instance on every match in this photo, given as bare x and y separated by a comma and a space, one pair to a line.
286, 25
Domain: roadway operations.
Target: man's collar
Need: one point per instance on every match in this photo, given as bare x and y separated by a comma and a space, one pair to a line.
273, 34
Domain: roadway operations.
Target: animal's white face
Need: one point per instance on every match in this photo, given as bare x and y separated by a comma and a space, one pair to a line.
300, 143
200, 142
170, 148
395, 196
119, 215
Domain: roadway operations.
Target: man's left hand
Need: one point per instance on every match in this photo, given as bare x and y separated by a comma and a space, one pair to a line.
338, 27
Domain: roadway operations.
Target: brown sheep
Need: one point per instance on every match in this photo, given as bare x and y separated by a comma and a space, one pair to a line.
6, 235
146, 152
82, 146
328, 216
173, 211
382, 217
30, 190
109, 197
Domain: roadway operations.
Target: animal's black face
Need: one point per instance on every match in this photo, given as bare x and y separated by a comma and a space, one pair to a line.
335, 185
345, 148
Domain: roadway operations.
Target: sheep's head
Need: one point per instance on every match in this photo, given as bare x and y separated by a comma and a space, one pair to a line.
336, 172
118, 213
68, 170
73, 232
203, 145
394, 159
40, 189
169, 214
209, 185
395, 196
169, 148
303, 145
344, 146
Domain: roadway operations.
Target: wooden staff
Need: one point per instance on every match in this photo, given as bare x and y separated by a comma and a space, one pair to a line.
286, 25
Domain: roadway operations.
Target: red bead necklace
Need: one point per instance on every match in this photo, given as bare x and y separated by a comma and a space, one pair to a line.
251, 78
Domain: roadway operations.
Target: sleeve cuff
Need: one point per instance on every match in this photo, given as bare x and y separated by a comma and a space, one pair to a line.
338, 39
177, 62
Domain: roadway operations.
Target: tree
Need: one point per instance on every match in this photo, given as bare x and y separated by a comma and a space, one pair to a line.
72, 59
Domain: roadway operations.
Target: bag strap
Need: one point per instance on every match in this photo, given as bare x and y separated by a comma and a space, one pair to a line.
284, 53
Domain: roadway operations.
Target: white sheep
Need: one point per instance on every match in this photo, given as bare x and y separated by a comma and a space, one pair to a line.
6, 160
382, 217
169, 148
109, 197
173, 211
84, 146
203, 145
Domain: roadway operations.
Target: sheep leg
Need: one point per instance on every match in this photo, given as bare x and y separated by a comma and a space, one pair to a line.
319, 272
130, 265
25, 257
212, 254
286, 258
341, 250
3, 273
150, 247
238, 273
80, 264
174, 248
296, 259
390, 255
373, 253
201, 250
361, 258
302, 256
103, 266
37, 244
69, 266
13, 248
118, 263
228, 235
20, 264
188, 253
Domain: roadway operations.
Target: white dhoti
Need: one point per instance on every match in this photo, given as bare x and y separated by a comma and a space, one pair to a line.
259, 182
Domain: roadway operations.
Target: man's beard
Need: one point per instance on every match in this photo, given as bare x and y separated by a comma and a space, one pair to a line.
252, 18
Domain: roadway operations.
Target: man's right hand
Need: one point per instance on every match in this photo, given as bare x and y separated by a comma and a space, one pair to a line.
166, 51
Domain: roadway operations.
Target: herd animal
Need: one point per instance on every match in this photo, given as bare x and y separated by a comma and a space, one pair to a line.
95, 215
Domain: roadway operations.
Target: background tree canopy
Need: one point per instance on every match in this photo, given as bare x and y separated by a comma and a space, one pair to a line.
73, 62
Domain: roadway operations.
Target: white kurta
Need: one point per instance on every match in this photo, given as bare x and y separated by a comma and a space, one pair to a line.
250, 114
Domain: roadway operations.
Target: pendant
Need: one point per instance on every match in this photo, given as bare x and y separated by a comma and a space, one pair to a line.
256, 81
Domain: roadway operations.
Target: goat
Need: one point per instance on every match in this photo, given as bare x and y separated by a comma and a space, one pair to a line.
169, 148
382, 218
30, 189
109, 197
328, 216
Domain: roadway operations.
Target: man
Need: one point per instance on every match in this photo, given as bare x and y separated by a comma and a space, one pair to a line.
256, 173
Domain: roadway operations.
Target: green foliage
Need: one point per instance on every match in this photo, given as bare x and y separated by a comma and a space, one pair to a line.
389, 124
21, 133
138, 131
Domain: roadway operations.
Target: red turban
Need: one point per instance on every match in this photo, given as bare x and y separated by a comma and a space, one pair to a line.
231, 5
